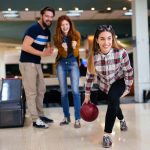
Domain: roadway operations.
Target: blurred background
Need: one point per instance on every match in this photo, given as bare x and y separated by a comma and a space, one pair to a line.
16, 16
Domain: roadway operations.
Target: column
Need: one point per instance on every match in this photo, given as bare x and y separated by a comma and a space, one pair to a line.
2, 65
141, 51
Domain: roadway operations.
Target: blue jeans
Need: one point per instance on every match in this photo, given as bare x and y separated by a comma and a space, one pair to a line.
69, 66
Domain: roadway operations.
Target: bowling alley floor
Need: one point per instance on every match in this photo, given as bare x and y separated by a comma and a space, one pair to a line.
88, 137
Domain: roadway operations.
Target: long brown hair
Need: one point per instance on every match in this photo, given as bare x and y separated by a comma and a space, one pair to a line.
96, 48
58, 33
99, 30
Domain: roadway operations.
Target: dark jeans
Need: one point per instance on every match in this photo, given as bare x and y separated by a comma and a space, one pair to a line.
113, 109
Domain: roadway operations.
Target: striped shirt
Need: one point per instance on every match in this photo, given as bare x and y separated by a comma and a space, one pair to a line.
41, 38
109, 68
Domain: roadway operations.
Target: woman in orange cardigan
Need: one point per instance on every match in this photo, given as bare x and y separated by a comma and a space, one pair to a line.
67, 41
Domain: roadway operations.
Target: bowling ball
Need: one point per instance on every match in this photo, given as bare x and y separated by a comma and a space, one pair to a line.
89, 112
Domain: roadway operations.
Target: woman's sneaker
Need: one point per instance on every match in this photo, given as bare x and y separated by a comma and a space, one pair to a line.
123, 126
40, 124
77, 124
65, 121
107, 141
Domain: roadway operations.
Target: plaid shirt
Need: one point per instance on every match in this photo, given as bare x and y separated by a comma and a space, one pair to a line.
109, 68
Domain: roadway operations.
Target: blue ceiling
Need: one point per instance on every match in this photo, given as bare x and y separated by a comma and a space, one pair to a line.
65, 4
13, 31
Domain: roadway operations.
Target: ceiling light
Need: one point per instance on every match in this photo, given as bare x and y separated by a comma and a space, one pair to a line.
9, 9
124, 8
26, 9
74, 13
76, 8
128, 13
60, 9
108, 8
92, 8
10, 14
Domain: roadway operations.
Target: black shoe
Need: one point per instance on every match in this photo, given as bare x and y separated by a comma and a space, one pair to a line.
65, 121
40, 124
123, 126
107, 142
46, 120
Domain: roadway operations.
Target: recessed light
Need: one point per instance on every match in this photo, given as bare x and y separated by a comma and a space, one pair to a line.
108, 8
9, 9
124, 8
76, 8
26, 9
92, 8
60, 9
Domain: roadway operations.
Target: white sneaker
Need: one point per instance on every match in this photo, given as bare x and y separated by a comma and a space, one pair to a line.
77, 124
40, 124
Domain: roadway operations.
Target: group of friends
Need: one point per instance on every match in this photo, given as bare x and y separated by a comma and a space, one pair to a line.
108, 62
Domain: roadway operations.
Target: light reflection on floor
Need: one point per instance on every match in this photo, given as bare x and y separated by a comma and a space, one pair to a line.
86, 138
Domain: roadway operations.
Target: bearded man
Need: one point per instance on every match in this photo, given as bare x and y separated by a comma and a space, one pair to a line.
36, 43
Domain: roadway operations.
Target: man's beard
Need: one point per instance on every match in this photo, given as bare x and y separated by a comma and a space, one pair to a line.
45, 25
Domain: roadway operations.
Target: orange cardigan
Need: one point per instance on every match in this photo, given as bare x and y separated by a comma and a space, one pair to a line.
63, 53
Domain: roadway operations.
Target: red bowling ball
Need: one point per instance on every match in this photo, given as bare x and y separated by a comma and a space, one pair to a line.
89, 112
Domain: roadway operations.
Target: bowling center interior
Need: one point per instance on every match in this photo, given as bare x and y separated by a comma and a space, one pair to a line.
16, 129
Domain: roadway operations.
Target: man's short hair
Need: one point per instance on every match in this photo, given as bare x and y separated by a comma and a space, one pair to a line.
47, 8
